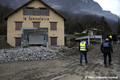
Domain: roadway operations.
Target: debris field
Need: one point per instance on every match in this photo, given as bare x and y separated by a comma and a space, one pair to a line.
57, 63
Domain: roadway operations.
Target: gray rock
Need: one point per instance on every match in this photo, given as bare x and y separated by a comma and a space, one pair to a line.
31, 53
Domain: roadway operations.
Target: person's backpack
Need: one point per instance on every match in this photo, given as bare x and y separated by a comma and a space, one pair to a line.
106, 45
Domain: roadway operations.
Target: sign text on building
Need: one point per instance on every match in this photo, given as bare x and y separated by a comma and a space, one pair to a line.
36, 18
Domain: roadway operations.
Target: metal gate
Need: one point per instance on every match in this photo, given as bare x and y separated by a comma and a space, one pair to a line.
36, 39
34, 36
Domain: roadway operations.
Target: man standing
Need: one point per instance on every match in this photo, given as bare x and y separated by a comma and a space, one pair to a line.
83, 51
106, 49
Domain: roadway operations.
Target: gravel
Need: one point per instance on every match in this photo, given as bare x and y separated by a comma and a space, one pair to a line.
31, 53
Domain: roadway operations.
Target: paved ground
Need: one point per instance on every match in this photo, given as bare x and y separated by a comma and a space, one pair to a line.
67, 68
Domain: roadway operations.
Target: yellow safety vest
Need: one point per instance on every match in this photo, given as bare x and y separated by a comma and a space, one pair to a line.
110, 37
83, 46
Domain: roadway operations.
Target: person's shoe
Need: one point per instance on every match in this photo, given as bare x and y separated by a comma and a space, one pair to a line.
81, 65
110, 64
105, 66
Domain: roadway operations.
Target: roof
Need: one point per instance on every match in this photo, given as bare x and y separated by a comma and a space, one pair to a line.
30, 2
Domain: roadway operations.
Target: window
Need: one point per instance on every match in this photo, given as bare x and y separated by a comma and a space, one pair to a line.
17, 41
29, 11
43, 11
18, 25
36, 11
36, 24
54, 41
53, 26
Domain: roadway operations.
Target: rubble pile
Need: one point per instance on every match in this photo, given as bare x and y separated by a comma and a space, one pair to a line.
31, 53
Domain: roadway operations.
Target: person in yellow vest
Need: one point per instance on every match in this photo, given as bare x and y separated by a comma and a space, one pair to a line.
83, 48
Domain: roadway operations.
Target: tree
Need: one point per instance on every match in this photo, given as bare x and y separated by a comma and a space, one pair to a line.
118, 30
78, 28
69, 27
77, 23
4, 10
104, 26
89, 21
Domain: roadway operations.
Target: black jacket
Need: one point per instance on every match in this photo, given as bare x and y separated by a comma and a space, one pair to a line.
106, 47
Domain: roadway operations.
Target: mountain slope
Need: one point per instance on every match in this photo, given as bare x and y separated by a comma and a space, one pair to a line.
73, 7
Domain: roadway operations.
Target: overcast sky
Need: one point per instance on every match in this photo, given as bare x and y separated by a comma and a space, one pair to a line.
111, 5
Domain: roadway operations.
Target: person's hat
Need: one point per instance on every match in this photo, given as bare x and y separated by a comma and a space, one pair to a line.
106, 39
83, 41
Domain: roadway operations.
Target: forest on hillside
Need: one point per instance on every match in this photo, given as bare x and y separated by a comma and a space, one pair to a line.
78, 24
4, 10
73, 23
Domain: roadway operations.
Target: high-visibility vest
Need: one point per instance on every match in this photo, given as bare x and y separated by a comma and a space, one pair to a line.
83, 46
110, 36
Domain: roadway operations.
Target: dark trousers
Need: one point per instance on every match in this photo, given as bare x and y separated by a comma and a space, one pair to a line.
81, 56
105, 58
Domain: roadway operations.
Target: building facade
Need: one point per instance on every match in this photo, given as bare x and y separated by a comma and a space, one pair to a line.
35, 23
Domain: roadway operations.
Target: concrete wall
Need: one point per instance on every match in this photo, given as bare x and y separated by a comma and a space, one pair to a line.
18, 16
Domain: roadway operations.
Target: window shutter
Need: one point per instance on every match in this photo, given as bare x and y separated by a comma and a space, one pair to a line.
17, 41
36, 24
53, 26
24, 11
38, 11
35, 12
18, 25
53, 40
47, 12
